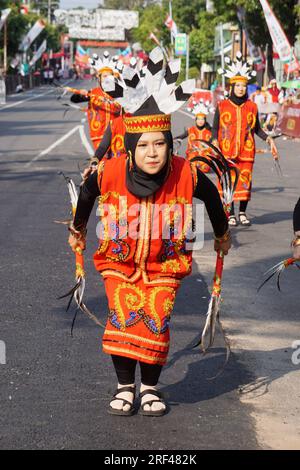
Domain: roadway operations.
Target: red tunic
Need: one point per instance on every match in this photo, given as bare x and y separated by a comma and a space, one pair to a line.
195, 134
236, 130
100, 112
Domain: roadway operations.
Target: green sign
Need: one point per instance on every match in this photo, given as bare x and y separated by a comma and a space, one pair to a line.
180, 44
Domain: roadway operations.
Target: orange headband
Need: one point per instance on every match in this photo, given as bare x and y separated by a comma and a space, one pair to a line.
151, 123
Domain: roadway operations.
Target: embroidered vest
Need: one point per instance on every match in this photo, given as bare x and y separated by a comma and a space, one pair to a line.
117, 147
236, 130
99, 114
195, 134
145, 237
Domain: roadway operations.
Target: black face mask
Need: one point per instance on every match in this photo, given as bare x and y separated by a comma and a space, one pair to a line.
139, 183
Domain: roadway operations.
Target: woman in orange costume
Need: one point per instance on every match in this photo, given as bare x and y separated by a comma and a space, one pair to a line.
143, 193
235, 124
101, 108
201, 131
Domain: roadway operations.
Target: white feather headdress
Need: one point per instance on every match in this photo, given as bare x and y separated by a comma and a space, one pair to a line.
152, 87
238, 69
200, 107
107, 62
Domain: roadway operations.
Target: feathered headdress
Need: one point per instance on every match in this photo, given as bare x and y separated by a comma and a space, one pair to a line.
238, 70
150, 96
200, 107
106, 64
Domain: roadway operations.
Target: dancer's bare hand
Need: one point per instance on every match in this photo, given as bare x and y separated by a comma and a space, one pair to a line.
223, 245
296, 252
89, 171
75, 243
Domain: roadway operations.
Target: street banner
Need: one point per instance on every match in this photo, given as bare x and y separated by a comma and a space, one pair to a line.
39, 53
289, 120
32, 35
280, 41
255, 52
82, 57
98, 24
4, 16
181, 44
171, 25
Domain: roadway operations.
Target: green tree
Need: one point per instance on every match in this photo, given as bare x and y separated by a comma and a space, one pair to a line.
42, 7
18, 25
285, 11
186, 13
152, 20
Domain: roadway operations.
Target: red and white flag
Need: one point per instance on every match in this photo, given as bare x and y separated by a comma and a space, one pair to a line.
279, 39
24, 9
171, 25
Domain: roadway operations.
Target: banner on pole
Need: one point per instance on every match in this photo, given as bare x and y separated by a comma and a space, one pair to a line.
289, 120
38, 53
181, 44
279, 39
32, 35
171, 25
4, 16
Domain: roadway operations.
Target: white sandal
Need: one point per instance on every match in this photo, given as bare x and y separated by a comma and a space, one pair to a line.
244, 219
232, 221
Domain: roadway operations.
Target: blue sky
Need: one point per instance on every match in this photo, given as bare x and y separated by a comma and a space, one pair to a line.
79, 3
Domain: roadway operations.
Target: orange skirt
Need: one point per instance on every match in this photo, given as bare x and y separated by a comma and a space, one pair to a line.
138, 320
244, 185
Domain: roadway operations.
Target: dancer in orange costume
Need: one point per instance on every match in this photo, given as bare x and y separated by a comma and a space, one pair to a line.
235, 124
142, 193
200, 131
101, 107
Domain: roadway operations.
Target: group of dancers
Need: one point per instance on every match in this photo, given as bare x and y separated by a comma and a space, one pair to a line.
135, 171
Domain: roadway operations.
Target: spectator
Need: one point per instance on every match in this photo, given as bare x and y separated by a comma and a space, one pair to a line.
274, 91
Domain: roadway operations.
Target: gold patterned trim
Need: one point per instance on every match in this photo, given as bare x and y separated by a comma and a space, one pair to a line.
155, 360
151, 123
128, 335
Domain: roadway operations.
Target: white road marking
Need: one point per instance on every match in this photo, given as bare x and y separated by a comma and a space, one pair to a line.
34, 97
53, 146
186, 114
85, 141
13, 105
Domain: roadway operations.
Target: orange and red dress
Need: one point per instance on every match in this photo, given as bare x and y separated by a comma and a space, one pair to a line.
194, 135
142, 270
100, 112
237, 125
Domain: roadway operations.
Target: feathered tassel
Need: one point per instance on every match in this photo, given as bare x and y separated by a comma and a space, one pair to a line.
77, 292
278, 269
227, 174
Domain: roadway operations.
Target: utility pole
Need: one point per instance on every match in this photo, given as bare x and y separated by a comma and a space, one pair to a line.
5, 48
222, 54
187, 56
49, 11
171, 16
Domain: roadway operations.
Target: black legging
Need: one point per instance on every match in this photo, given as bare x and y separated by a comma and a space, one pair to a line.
125, 370
243, 207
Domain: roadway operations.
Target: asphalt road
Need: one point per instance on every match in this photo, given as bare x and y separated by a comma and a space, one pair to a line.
55, 390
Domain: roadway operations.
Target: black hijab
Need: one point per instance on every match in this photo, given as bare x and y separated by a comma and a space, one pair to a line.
139, 183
